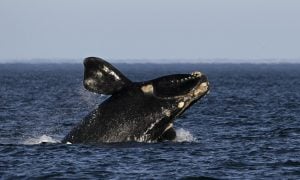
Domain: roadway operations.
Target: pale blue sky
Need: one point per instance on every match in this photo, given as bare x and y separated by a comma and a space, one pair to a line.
150, 29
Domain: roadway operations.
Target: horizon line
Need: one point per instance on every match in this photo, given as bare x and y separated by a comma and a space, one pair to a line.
158, 61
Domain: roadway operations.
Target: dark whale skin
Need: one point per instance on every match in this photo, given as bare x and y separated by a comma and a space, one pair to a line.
123, 117
136, 111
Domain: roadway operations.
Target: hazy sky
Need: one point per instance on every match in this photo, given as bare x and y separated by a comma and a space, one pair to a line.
150, 29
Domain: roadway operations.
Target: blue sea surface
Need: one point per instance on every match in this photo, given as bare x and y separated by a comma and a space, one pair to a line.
248, 127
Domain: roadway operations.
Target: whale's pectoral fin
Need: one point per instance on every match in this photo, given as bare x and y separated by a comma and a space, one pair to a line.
101, 77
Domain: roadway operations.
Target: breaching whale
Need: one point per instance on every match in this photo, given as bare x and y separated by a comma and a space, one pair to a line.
135, 111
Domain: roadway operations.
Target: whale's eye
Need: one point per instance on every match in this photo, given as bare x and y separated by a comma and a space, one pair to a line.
175, 85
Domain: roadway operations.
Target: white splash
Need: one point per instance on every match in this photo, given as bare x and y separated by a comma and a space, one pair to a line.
42, 139
184, 136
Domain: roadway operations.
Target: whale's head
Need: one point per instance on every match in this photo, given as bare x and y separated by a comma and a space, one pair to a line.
175, 94
185, 89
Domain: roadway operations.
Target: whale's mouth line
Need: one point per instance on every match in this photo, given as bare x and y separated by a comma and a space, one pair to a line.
180, 86
187, 77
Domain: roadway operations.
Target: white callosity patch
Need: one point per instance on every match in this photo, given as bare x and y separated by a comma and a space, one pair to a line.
106, 69
205, 84
194, 75
180, 104
147, 89
89, 82
99, 74
201, 89
197, 74
166, 112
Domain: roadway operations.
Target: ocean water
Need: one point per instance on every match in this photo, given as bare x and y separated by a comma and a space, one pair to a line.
248, 127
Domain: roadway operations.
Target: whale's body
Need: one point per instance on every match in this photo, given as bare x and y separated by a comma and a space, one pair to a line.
135, 111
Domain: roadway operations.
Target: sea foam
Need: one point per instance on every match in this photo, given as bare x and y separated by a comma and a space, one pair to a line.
183, 135
41, 139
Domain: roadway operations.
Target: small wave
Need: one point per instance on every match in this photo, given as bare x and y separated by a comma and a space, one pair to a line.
183, 135
42, 139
